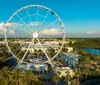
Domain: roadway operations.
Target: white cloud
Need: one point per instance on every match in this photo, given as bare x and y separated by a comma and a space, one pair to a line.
45, 32
52, 31
12, 32
2, 28
1, 24
93, 32
11, 24
34, 24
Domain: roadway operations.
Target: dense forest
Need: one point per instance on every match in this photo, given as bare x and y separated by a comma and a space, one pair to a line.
86, 42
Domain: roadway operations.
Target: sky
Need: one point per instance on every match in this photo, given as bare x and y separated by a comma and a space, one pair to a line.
81, 18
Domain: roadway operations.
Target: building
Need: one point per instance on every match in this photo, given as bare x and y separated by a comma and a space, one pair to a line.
70, 49
70, 59
64, 71
34, 65
38, 47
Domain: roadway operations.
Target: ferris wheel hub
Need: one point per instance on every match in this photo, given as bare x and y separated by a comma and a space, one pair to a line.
35, 35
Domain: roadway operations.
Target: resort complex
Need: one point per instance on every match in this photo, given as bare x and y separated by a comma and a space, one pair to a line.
35, 50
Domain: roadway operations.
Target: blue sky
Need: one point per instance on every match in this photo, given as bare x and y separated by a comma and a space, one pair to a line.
77, 15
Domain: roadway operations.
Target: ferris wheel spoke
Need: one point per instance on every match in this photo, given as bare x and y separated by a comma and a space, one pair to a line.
37, 17
56, 54
21, 46
45, 53
25, 30
29, 18
15, 32
44, 20
32, 47
19, 53
18, 46
19, 24
20, 50
60, 47
41, 15
26, 51
23, 22
51, 23
16, 25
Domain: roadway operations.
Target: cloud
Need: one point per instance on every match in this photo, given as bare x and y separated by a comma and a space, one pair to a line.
33, 24
89, 34
2, 27
11, 31
93, 32
1, 24
24, 31
52, 31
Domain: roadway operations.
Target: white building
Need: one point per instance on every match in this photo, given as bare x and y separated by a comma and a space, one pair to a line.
70, 49
64, 70
33, 66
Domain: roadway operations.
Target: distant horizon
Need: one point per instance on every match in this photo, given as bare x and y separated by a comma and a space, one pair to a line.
81, 18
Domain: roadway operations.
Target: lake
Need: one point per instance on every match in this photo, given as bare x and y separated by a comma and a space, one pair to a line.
90, 50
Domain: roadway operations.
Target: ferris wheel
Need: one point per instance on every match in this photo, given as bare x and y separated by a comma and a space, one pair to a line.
31, 24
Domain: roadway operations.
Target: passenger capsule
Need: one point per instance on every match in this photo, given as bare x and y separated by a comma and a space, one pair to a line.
17, 12
28, 7
34, 6
62, 27
52, 13
47, 9
9, 21
57, 17
22, 9
60, 22
13, 16
41, 7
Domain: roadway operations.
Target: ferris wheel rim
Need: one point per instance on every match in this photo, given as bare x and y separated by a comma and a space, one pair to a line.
25, 7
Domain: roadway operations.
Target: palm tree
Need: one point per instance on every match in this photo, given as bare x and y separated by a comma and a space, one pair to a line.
28, 78
56, 79
68, 77
4, 76
16, 75
78, 74
86, 72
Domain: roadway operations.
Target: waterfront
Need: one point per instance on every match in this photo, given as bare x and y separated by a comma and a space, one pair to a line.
91, 50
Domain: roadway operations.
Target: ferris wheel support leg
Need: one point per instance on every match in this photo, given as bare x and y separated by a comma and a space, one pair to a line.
32, 47
26, 51
45, 53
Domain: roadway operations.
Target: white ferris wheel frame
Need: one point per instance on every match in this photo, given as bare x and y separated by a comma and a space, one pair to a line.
21, 19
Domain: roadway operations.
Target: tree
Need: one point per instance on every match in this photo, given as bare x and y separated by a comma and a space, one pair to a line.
56, 79
70, 43
16, 75
51, 52
4, 76
86, 72
28, 78
68, 77
64, 49
78, 74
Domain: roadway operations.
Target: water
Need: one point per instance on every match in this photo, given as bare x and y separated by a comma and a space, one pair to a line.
90, 50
